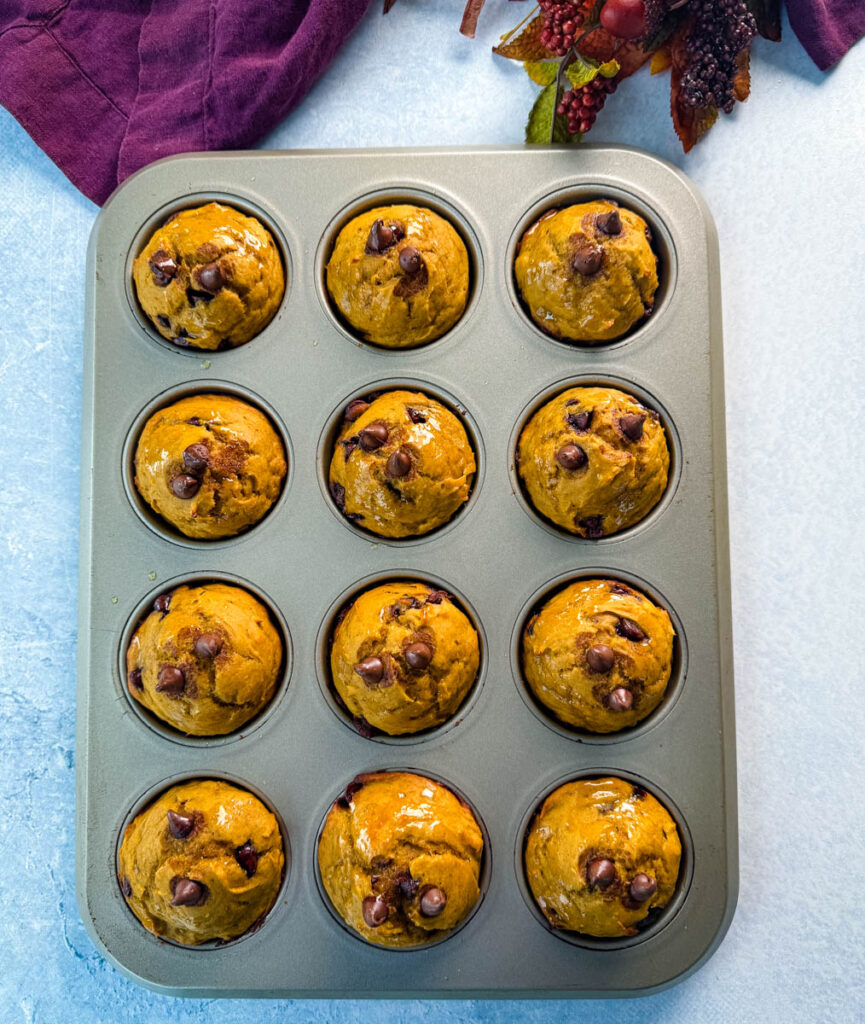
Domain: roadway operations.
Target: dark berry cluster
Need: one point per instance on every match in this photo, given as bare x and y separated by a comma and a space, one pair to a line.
581, 106
721, 30
561, 21
656, 12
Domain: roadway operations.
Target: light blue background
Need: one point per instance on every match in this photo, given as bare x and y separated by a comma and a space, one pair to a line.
781, 176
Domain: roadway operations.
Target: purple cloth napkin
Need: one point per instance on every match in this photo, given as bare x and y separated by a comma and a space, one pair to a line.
107, 86
827, 28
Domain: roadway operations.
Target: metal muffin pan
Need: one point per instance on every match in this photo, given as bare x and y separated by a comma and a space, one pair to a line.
498, 556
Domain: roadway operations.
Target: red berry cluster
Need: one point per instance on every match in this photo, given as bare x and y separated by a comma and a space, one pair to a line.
581, 106
561, 21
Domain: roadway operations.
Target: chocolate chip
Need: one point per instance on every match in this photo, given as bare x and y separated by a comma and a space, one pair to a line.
410, 260
592, 526
382, 237
210, 278
208, 645
418, 656
432, 901
126, 887
415, 416
639, 793
407, 885
619, 588
630, 630
338, 492
135, 682
373, 437
194, 296
247, 857
571, 456
632, 425
170, 681
399, 464
600, 658
620, 699
370, 670
600, 873
196, 457
437, 596
579, 421
355, 409
161, 604
375, 911
642, 888
184, 485
163, 321
347, 797
188, 893
609, 223
163, 268
348, 446
180, 825
587, 260
362, 727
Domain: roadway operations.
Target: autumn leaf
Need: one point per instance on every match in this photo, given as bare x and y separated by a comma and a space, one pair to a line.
540, 126
742, 81
525, 44
661, 61
581, 71
602, 47
469, 24
691, 123
767, 14
542, 72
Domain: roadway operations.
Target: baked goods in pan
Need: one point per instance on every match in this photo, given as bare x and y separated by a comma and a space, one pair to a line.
210, 277
403, 658
400, 858
402, 464
594, 460
210, 465
587, 272
598, 655
205, 659
602, 857
399, 275
203, 862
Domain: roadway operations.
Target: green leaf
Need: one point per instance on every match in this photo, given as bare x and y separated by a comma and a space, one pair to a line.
540, 124
609, 69
542, 72
582, 71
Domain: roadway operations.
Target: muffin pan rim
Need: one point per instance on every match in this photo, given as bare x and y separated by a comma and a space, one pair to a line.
443, 204
484, 877
636, 389
678, 671
323, 642
250, 207
189, 389
260, 718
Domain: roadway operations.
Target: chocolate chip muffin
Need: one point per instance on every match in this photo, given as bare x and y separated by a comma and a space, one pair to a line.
399, 275
210, 465
594, 460
400, 858
203, 862
205, 660
598, 655
402, 465
602, 857
403, 658
209, 278
587, 272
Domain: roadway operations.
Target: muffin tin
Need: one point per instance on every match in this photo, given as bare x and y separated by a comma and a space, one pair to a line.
496, 555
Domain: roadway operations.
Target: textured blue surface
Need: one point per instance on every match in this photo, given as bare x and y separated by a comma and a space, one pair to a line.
779, 178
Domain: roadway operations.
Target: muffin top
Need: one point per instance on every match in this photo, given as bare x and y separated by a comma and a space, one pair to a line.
205, 660
209, 278
203, 862
594, 460
402, 464
587, 272
399, 275
598, 655
602, 857
210, 465
403, 658
400, 858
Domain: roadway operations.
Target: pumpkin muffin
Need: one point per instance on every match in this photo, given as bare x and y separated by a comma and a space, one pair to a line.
203, 862
602, 857
210, 465
594, 460
598, 655
403, 658
399, 275
400, 858
209, 278
205, 660
402, 464
587, 272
